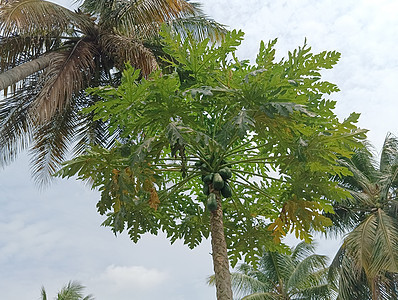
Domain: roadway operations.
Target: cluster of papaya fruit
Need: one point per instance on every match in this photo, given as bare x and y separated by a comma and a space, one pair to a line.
219, 181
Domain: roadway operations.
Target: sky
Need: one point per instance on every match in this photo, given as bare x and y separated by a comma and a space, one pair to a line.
51, 236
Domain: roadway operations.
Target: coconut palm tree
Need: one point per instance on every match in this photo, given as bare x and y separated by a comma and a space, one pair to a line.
49, 55
72, 291
279, 276
366, 265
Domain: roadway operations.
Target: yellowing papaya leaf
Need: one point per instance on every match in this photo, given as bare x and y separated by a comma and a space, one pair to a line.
116, 205
154, 199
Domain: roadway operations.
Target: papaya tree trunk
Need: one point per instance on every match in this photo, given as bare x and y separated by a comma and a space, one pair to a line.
20, 72
219, 250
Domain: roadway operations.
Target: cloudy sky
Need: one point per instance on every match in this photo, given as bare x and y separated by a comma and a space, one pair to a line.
50, 237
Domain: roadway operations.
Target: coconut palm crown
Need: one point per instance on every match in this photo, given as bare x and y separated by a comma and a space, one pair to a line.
72, 291
366, 265
49, 55
302, 274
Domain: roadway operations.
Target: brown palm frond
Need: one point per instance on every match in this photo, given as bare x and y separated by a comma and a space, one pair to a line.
143, 18
36, 17
68, 73
149, 11
126, 49
15, 50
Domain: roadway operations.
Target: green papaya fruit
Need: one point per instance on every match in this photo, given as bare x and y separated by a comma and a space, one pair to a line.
206, 189
208, 178
212, 202
225, 173
218, 182
226, 191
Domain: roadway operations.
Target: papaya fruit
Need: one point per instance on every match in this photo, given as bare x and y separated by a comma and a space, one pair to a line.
212, 202
226, 191
225, 173
208, 178
206, 189
218, 182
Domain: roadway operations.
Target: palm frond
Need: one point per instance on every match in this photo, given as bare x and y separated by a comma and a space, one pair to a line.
35, 17
73, 291
361, 242
160, 11
199, 26
50, 145
309, 272
43, 293
360, 181
302, 250
385, 245
277, 266
90, 132
15, 123
262, 296
389, 152
243, 285
15, 50
349, 283
125, 49
68, 73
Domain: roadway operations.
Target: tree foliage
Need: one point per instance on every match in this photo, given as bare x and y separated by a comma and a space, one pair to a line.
302, 274
49, 55
72, 291
269, 122
366, 265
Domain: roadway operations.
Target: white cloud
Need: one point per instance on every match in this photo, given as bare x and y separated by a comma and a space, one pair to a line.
133, 277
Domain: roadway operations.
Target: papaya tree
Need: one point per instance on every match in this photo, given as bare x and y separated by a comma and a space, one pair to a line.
215, 146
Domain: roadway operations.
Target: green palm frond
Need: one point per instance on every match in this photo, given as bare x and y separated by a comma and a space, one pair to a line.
360, 242
51, 143
73, 291
370, 250
306, 272
301, 251
385, 246
300, 275
201, 27
389, 153
346, 280
43, 293
362, 182
262, 296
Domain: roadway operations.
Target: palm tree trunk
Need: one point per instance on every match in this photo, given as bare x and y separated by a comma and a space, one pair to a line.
220, 256
20, 72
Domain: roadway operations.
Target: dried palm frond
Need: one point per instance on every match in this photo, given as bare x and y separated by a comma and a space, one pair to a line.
125, 49
68, 73
35, 17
